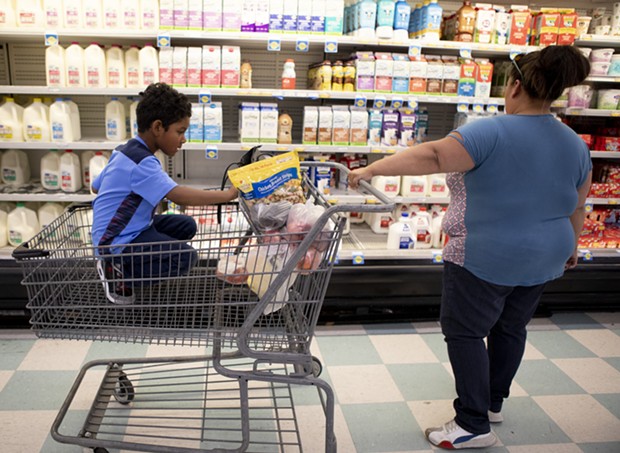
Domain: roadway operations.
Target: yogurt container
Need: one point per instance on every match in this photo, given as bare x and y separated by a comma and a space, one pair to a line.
601, 55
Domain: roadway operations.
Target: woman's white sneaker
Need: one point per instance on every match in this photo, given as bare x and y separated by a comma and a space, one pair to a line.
495, 417
452, 437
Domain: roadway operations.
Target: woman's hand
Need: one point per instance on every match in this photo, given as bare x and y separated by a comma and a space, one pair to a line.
572, 261
232, 193
358, 175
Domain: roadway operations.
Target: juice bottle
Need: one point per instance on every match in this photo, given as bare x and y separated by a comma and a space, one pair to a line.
465, 22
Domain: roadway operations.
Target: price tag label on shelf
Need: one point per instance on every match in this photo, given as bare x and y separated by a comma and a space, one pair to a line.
360, 101
462, 107
163, 39
589, 207
492, 107
415, 50
587, 255
397, 102
211, 152
438, 257
478, 107
274, 45
412, 103
204, 97
514, 52
51, 38
465, 52
614, 113
357, 258
379, 102
303, 45
331, 46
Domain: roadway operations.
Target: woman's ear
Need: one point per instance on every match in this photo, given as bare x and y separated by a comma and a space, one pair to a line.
517, 87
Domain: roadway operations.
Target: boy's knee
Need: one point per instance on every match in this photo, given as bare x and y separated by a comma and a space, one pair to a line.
188, 226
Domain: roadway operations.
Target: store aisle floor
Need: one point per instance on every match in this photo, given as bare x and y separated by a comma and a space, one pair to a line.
391, 382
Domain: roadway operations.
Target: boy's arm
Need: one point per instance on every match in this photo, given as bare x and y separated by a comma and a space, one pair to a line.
186, 196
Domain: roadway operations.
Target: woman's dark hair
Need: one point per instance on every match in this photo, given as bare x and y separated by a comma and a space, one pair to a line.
546, 73
161, 102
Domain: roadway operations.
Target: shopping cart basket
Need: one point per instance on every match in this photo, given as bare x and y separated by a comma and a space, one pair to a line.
247, 301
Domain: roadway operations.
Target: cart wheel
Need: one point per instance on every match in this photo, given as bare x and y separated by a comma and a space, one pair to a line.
124, 392
317, 367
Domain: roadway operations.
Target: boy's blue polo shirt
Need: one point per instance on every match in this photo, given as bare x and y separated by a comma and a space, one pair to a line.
128, 191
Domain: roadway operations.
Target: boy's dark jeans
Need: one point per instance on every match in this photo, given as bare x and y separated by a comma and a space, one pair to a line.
472, 309
155, 254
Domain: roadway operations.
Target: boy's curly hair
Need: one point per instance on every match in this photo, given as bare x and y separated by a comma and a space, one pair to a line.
161, 102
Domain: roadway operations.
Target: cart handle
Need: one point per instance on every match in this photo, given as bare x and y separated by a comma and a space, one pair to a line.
386, 203
22, 252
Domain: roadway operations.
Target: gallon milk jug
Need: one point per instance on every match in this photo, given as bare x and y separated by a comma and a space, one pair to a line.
437, 186
438, 236
115, 120
15, 167
163, 159
421, 224
132, 67
53, 14
7, 13
149, 15
4, 234
37, 122
389, 185
55, 66
70, 172
29, 13
50, 170
400, 234
60, 119
115, 61
95, 66
73, 13
96, 166
74, 66
48, 213
85, 158
130, 14
93, 14
22, 224
149, 65
111, 13
414, 186
11, 121
75, 119
133, 118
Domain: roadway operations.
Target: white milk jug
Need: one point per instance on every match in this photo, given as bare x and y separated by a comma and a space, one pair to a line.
163, 159
133, 118
85, 158
22, 224
95, 66
4, 232
73, 13
93, 14
115, 61
11, 121
132, 67
414, 186
62, 124
70, 172
37, 122
438, 236
130, 14
115, 120
400, 234
111, 13
75, 119
29, 13
149, 65
149, 15
15, 167
389, 185
437, 186
74, 66
52, 10
48, 213
96, 165
50, 170
7, 13
55, 66
422, 229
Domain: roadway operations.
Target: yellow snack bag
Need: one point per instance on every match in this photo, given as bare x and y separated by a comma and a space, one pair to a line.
271, 180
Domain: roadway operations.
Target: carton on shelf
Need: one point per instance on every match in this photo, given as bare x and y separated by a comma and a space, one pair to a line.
467, 79
179, 67
520, 23
211, 66
341, 125
567, 29
384, 70
451, 75
434, 74
484, 76
407, 127
485, 23
213, 122
310, 125
325, 126
194, 67
400, 73
546, 28
365, 71
417, 76
359, 126
268, 122
249, 122
231, 66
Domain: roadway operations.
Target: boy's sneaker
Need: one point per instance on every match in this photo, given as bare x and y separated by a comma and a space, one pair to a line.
452, 437
112, 280
495, 417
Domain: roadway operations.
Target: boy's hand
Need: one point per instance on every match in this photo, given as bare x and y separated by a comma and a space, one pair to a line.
232, 193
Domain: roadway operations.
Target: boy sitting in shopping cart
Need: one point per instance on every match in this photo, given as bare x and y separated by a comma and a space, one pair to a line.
132, 243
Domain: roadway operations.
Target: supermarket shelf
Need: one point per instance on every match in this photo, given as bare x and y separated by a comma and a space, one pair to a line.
43, 197
576, 111
605, 154
603, 201
598, 41
608, 79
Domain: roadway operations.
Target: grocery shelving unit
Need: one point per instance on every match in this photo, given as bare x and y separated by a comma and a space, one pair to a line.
366, 269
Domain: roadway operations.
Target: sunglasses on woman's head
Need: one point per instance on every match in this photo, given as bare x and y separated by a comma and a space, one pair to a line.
515, 62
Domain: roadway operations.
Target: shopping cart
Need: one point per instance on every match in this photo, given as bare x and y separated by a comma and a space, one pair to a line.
248, 302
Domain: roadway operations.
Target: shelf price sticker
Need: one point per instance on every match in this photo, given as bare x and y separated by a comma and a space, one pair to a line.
478, 107
415, 50
514, 52
587, 255
412, 103
274, 45
163, 40
302, 45
360, 101
204, 97
437, 257
51, 38
462, 107
379, 102
589, 207
331, 46
465, 52
492, 107
211, 152
357, 258
397, 103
